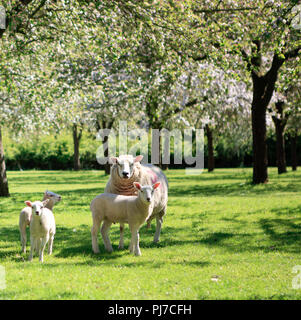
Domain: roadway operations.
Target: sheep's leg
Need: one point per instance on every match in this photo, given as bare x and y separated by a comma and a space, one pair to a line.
131, 245
32, 246
121, 241
135, 242
23, 237
148, 221
94, 233
159, 220
50, 244
105, 237
42, 247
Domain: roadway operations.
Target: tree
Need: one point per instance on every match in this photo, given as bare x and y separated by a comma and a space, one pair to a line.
294, 123
262, 34
284, 105
221, 105
280, 123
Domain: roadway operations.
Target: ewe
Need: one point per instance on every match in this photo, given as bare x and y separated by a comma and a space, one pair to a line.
125, 170
26, 213
42, 228
111, 208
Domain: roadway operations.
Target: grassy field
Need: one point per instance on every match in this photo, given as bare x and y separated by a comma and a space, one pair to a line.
222, 238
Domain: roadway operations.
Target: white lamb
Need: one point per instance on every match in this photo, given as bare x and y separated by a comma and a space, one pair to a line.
111, 208
26, 213
42, 228
125, 170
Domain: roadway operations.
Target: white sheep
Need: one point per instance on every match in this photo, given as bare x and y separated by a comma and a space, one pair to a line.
42, 228
125, 170
26, 213
111, 208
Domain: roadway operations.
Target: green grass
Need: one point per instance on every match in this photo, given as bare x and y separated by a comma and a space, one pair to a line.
218, 226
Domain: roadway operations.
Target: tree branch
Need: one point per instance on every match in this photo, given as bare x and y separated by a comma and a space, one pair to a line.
293, 53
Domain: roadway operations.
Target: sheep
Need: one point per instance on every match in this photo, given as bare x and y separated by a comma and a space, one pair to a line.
125, 170
26, 213
42, 228
134, 210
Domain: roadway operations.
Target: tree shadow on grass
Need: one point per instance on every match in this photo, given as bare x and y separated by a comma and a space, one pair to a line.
281, 234
230, 189
58, 177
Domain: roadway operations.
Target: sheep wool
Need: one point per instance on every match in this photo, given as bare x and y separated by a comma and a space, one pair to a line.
145, 174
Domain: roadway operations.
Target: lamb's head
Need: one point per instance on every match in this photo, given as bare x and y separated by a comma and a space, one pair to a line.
37, 206
146, 193
54, 197
125, 165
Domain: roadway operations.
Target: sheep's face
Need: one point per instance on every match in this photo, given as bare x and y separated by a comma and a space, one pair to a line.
37, 206
125, 165
146, 193
52, 196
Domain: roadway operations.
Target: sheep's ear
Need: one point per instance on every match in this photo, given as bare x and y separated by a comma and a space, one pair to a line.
45, 202
28, 203
114, 160
138, 158
137, 185
156, 185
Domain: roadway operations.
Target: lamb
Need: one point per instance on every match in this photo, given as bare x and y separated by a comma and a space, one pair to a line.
26, 213
111, 208
125, 170
42, 228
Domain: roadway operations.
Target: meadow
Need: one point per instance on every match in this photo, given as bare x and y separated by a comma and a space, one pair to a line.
222, 238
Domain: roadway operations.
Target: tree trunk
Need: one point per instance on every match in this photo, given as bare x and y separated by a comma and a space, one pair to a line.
281, 162
263, 89
260, 154
280, 123
107, 166
3, 179
259, 108
209, 134
76, 142
294, 154
102, 124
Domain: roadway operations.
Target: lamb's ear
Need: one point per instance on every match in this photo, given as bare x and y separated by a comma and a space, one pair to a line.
137, 185
114, 160
45, 202
138, 158
156, 185
28, 203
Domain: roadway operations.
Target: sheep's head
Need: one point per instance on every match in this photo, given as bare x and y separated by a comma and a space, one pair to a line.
52, 196
37, 206
125, 165
146, 193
